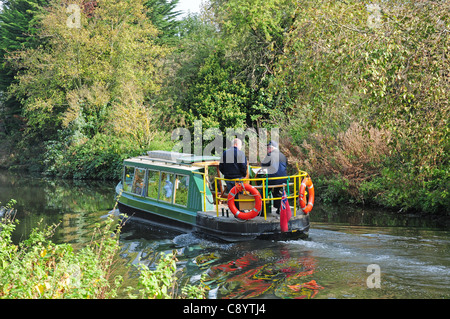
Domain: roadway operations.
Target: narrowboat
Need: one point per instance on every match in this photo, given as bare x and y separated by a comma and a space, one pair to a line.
187, 193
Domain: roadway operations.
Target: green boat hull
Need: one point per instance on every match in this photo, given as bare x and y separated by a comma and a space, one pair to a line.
226, 227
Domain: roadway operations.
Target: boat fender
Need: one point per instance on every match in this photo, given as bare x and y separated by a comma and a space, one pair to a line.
306, 183
253, 192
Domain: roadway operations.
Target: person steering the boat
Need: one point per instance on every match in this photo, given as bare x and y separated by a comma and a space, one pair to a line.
276, 164
233, 164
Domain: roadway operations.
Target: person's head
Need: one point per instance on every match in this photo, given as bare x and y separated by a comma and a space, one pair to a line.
237, 143
271, 146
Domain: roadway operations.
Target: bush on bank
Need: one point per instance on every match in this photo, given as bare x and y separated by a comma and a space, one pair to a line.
361, 166
37, 268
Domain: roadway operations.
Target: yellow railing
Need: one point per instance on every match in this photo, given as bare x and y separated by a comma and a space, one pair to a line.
293, 181
204, 187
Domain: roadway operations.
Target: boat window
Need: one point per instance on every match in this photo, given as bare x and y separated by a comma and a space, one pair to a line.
153, 184
181, 190
166, 191
138, 181
128, 175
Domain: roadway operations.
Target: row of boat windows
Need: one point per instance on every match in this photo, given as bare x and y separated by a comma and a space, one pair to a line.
168, 187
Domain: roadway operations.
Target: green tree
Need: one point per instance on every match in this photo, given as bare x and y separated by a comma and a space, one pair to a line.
163, 16
90, 74
96, 79
226, 62
215, 97
198, 39
385, 66
18, 21
254, 32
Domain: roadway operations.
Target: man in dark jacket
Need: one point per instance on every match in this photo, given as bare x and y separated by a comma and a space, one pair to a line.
276, 164
233, 164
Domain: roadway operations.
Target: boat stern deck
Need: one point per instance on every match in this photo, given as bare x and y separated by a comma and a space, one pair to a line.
226, 226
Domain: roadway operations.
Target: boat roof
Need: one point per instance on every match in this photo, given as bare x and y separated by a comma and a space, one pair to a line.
167, 159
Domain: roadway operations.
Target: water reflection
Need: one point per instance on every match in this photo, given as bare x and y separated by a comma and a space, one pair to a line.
77, 205
259, 269
252, 276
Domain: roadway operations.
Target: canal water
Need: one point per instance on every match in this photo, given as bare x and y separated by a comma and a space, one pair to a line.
351, 253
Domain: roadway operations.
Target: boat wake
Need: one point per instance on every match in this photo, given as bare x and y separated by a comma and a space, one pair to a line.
406, 258
193, 239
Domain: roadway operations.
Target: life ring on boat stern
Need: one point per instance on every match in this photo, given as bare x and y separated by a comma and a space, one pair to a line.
307, 182
244, 215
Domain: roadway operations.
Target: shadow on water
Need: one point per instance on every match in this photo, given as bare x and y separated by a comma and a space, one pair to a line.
412, 252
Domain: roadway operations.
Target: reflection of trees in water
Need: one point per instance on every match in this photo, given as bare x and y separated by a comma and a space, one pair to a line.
80, 205
76, 204
79, 196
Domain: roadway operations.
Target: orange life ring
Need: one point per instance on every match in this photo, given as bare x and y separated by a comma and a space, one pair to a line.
258, 202
307, 182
